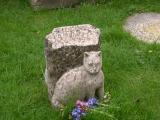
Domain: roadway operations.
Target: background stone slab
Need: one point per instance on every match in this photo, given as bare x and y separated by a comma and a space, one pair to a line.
49, 4
144, 26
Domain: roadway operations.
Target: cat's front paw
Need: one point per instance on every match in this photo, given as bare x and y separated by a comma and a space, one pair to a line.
56, 103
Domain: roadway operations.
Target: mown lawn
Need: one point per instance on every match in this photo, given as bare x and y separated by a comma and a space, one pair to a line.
131, 67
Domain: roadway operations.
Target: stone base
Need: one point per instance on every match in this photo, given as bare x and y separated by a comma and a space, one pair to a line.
49, 4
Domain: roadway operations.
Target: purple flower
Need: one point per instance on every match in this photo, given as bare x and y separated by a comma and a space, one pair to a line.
77, 113
74, 114
83, 106
92, 102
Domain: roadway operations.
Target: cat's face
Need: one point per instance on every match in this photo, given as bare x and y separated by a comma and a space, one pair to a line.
92, 61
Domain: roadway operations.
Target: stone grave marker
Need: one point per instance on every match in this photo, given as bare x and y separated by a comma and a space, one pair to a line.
65, 48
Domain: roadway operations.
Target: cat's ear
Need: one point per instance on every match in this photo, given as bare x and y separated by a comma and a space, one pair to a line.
86, 54
99, 53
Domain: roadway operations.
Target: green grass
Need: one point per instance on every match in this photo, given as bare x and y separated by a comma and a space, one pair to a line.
132, 73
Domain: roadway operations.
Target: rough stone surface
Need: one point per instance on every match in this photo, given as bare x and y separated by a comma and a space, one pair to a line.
144, 26
81, 83
42, 4
64, 49
80, 35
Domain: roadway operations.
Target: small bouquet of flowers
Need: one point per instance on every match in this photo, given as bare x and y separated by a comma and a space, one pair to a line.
91, 106
82, 108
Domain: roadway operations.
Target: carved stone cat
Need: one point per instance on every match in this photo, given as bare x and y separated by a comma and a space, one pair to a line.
82, 82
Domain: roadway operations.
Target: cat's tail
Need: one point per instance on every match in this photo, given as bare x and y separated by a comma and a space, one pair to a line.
50, 82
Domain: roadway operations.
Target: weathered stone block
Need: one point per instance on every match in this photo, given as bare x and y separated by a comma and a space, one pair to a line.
64, 50
48, 4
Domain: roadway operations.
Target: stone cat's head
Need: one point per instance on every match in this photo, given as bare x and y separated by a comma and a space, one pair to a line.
92, 61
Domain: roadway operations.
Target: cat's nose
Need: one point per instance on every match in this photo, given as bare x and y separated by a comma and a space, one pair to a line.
90, 63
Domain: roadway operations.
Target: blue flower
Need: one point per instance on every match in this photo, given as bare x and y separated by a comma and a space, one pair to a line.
78, 109
77, 113
92, 102
74, 114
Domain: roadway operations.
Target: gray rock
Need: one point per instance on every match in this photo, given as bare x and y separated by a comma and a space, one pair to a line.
64, 50
43, 4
